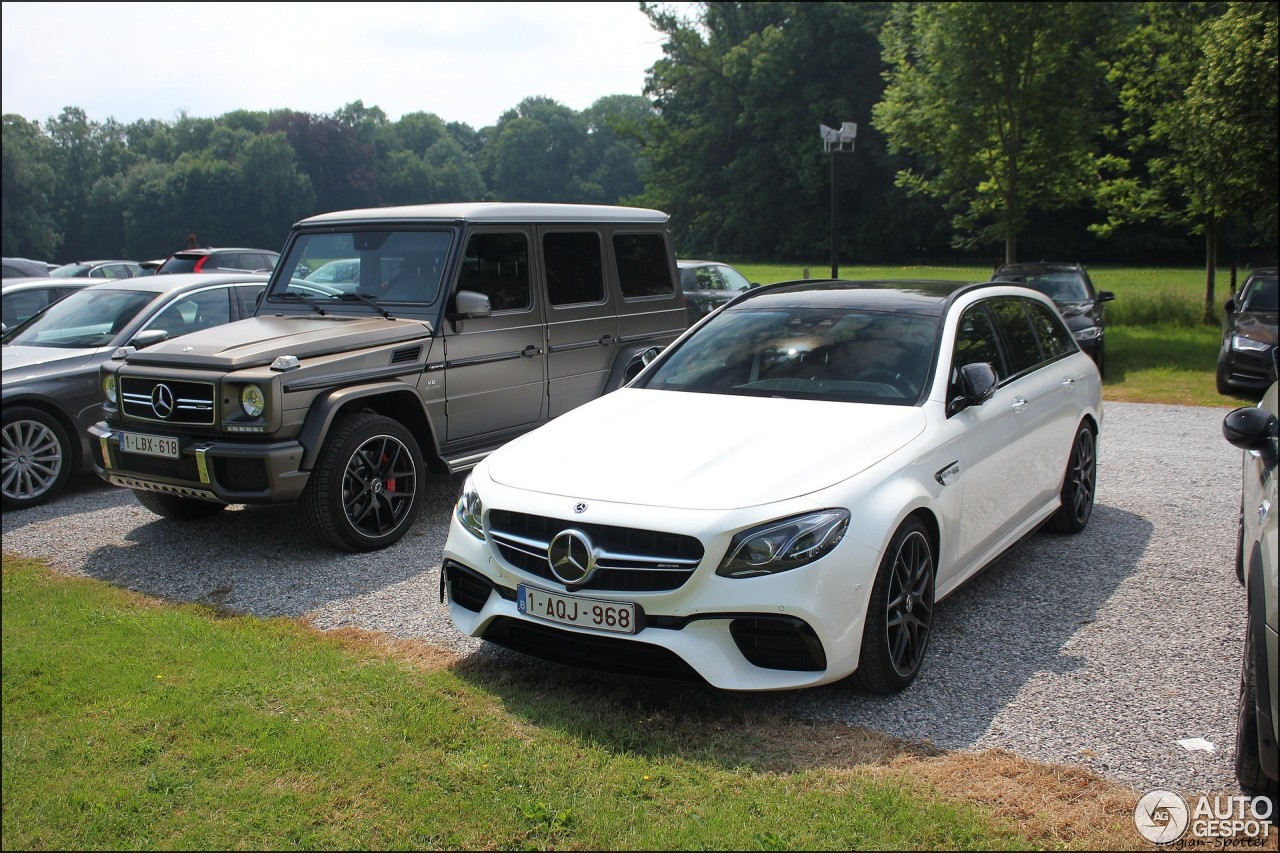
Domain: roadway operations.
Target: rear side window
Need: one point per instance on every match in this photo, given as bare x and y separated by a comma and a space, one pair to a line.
575, 271
1024, 348
977, 342
1055, 340
643, 269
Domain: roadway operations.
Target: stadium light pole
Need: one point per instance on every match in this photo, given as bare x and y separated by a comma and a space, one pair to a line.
834, 142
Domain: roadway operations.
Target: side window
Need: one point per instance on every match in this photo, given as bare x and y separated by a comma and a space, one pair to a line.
708, 279
19, 306
497, 265
1055, 340
643, 268
1024, 349
976, 342
575, 270
248, 294
734, 280
197, 311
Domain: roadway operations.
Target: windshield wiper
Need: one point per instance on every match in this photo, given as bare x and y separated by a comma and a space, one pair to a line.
293, 294
368, 300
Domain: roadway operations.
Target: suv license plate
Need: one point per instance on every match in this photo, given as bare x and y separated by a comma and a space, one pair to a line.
149, 445
616, 616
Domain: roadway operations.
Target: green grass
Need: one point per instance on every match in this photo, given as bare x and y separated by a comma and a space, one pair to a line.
1158, 348
131, 724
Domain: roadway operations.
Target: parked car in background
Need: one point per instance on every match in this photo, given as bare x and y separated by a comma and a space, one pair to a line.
709, 284
1255, 431
21, 298
1071, 289
24, 268
889, 440
50, 388
150, 267
220, 260
1245, 362
98, 269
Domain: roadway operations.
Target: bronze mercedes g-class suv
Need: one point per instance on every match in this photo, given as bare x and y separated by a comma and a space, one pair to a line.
391, 344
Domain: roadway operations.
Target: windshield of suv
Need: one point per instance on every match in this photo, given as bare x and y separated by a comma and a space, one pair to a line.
1058, 286
393, 267
87, 318
839, 354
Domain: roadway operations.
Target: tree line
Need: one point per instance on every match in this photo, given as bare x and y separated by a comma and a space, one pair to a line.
1099, 131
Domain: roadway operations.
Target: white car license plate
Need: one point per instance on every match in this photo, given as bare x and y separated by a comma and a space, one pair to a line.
149, 445
616, 616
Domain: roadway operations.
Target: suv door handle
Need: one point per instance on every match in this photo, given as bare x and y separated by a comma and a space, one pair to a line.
605, 340
530, 351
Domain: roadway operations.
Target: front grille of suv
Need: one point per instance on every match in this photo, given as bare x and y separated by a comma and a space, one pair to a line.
627, 560
168, 401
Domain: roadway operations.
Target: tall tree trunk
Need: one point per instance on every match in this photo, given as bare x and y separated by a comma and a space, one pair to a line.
1011, 248
1210, 267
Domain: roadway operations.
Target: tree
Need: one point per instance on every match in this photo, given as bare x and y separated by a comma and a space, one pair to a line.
30, 224
998, 105
1198, 87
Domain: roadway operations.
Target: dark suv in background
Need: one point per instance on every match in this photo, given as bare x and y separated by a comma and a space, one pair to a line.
220, 260
1071, 289
1249, 335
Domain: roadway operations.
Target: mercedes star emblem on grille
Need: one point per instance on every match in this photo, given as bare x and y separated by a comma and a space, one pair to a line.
162, 401
571, 556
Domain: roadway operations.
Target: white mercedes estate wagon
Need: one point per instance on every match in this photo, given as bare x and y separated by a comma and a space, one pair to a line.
869, 447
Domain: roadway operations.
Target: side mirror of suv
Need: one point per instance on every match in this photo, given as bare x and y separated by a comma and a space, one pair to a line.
469, 305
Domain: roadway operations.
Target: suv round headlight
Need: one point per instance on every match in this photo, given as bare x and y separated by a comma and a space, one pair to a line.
109, 387
252, 400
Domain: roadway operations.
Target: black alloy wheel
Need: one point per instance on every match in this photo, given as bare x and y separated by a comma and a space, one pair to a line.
1079, 484
900, 614
365, 491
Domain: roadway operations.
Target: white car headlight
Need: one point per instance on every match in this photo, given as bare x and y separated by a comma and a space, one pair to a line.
470, 510
252, 400
787, 543
1242, 344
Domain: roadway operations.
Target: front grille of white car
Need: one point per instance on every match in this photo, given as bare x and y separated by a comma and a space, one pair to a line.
626, 559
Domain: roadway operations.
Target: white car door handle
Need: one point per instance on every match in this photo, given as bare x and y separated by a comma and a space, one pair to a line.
1019, 403
1068, 382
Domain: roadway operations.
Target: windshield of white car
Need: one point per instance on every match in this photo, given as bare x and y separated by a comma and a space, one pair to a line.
363, 268
87, 318
849, 355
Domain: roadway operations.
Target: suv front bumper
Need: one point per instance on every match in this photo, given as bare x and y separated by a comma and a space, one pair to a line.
206, 469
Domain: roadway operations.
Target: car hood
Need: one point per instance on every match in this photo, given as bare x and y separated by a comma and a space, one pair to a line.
31, 361
1257, 325
702, 451
257, 341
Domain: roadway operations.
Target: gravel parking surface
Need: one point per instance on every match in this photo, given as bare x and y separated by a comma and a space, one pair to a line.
1102, 650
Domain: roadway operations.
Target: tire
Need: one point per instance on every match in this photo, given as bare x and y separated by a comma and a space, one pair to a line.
900, 613
1078, 484
37, 458
1248, 764
1224, 369
177, 508
366, 489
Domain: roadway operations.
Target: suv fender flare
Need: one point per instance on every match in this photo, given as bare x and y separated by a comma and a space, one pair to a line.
393, 399
629, 361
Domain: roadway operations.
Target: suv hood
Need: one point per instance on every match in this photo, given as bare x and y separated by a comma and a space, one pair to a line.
257, 341
634, 446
